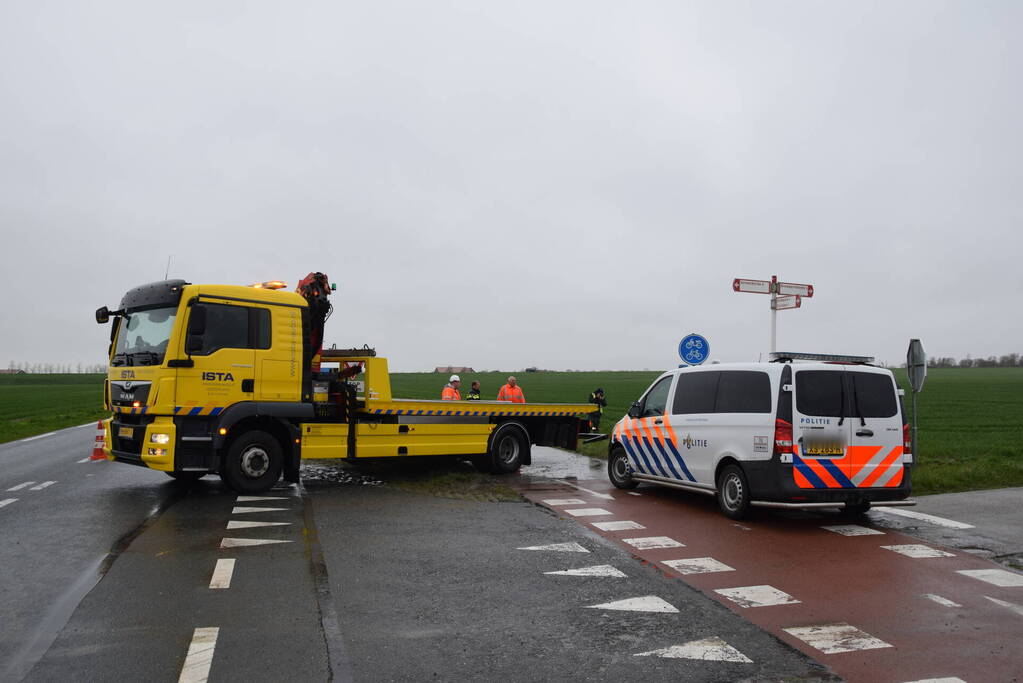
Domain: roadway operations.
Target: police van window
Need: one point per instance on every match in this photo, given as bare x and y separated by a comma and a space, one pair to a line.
743, 391
695, 392
875, 395
227, 327
819, 392
657, 398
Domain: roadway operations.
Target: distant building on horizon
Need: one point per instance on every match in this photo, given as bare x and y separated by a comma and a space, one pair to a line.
453, 369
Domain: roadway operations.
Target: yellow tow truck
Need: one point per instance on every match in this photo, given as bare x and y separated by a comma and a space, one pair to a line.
233, 380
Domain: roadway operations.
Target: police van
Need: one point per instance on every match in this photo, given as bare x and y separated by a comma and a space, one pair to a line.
826, 431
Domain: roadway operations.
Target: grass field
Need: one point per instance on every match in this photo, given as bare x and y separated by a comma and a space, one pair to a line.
970, 431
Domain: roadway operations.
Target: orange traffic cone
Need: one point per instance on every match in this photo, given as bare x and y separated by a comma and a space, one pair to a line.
97, 447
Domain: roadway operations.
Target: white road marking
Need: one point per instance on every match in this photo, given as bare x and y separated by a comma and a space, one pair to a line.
944, 602
7, 501
253, 499
917, 551
587, 512
598, 570
647, 603
246, 542
558, 548
565, 501
939, 680
711, 649
997, 577
757, 596
1018, 609
698, 565
835, 638
38, 436
252, 525
652, 542
913, 514
633, 493
200, 656
617, 526
21, 486
243, 510
42, 486
605, 496
222, 573
83, 460
853, 530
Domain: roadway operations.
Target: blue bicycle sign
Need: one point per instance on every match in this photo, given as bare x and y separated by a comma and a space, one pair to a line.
693, 349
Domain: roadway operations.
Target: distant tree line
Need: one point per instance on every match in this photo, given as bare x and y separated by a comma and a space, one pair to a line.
1009, 360
55, 368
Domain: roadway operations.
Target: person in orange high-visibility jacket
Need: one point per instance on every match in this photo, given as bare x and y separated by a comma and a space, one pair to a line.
511, 392
450, 391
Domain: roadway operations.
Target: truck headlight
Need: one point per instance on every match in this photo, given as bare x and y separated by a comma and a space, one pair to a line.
159, 438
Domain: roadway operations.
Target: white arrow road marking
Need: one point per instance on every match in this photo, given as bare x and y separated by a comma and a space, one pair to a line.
913, 514
587, 512
7, 501
647, 603
598, 570
605, 496
653, 542
944, 602
835, 638
853, 530
565, 501
245, 542
253, 525
253, 499
1018, 609
200, 656
559, 548
698, 565
998, 577
42, 486
243, 510
757, 596
617, 526
222, 573
708, 650
21, 486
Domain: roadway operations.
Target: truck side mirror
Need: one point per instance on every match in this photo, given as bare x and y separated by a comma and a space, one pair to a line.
634, 410
102, 315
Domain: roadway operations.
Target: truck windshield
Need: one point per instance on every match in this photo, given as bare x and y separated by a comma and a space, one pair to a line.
142, 337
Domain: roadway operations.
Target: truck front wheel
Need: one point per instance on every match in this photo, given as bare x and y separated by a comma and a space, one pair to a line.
253, 463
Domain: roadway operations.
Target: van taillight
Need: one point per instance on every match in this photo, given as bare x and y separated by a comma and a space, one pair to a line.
907, 440
782, 437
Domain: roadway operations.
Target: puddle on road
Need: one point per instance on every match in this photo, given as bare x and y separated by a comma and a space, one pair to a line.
553, 463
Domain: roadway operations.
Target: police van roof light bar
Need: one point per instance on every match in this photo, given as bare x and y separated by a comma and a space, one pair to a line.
782, 356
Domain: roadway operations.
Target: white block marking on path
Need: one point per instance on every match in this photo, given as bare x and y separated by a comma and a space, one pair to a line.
253, 499
939, 680
997, 577
604, 570
565, 501
246, 542
243, 510
617, 526
1018, 609
222, 573
558, 548
917, 551
604, 496
42, 486
757, 596
587, 512
647, 603
835, 638
633, 493
853, 530
698, 565
21, 486
913, 514
7, 501
253, 525
711, 649
200, 656
944, 602
653, 542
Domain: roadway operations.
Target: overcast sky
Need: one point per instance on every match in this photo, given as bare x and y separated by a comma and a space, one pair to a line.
570, 185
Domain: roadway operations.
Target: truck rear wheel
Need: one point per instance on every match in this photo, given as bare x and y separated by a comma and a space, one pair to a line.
618, 470
253, 463
733, 492
508, 447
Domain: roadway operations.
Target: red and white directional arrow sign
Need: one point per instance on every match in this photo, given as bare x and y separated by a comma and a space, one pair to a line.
784, 301
753, 286
795, 289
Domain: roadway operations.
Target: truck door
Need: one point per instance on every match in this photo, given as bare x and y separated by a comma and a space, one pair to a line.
820, 432
279, 360
875, 444
222, 357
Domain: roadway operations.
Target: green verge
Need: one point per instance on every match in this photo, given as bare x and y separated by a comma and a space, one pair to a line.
36, 404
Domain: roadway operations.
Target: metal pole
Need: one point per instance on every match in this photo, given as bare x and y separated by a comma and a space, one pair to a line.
774, 313
916, 458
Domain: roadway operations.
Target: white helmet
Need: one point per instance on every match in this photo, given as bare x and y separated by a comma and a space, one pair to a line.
454, 378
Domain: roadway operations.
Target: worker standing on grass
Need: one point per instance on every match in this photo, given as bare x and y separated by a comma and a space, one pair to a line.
474, 392
597, 398
450, 391
511, 392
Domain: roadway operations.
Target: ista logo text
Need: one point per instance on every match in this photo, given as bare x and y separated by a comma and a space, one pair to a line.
217, 377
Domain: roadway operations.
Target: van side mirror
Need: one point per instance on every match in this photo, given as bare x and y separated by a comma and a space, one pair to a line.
634, 410
102, 315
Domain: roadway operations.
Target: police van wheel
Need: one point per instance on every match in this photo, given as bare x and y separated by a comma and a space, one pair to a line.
253, 463
618, 470
733, 492
508, 448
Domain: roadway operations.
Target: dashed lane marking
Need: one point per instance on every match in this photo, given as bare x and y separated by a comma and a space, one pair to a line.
917, 551
836, 638
21, 486
7, 501
757, 596
42, 486
913, 514
565, 501
603, 570
853, 530
253, 499
997, 577
253, 525
653, 542
200, 656
587, 512
243, 510
1018, 609
558, 548
617, 526
944, 602
38, 436
222, 573
698, 565
598, 494
711, 649
646, 603
246, 542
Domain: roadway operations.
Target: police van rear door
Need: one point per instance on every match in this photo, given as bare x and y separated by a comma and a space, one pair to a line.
820, 432
875, 444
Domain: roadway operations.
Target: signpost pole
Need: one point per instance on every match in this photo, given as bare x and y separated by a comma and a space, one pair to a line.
774, 313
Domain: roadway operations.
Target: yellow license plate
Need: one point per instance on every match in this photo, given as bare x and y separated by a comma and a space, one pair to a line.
126, 432
824, 450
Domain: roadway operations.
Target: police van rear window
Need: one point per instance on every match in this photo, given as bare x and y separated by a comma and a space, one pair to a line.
822, 392
819, 392
874, 395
